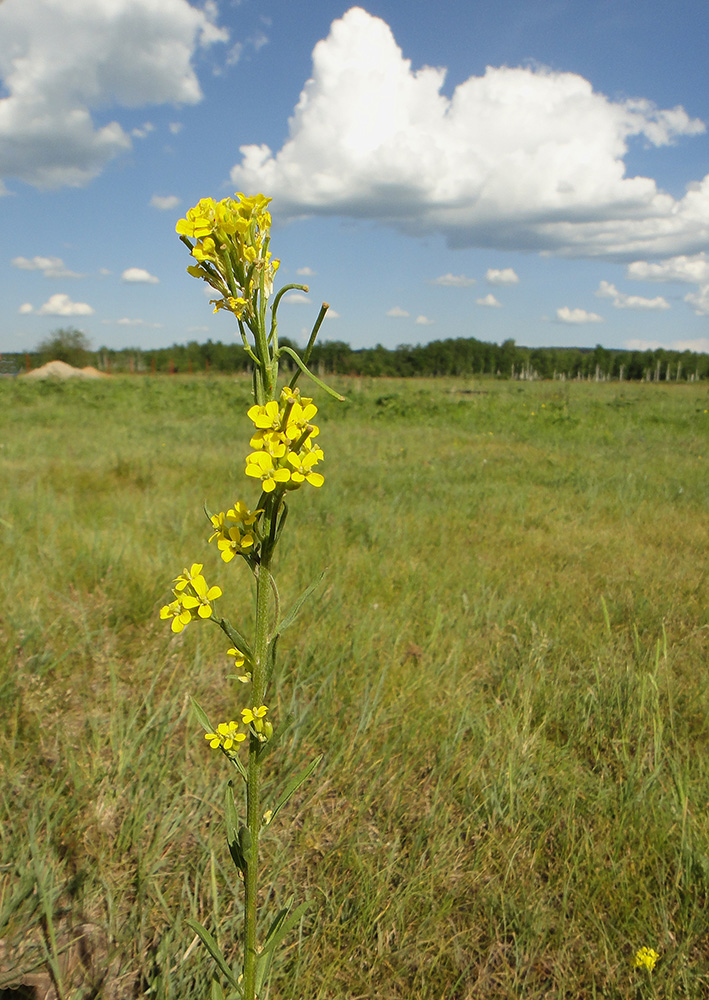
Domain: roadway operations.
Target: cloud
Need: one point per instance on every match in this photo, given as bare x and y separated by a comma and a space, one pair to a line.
488, 300
175, 127
333, 314
699, 345
60, 305
143, 131
112, 53
577, 316
519, 158
454, 281
506, 276
51, 267
396, 312
305, 272
125, 321
295, 299
26, 308
424, 321
138, 275
622, 301
699, 300
166, 203
692, 269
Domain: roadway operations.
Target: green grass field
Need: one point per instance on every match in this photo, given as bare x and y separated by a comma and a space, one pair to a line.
505, 666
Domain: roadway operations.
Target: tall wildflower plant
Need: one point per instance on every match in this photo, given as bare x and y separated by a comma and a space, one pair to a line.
229, 242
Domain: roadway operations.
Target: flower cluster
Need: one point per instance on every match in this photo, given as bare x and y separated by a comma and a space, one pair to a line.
235, 531
646, 958
285, 453
193, 598
231, 247
228, 735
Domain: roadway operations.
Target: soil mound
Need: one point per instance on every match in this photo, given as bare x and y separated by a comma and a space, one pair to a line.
60, 369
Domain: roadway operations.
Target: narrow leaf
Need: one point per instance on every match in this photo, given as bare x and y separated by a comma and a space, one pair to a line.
306, 371
271, 659
236, 637
266, 748
294, 611
239, 766
232, 830
213, 949
217, 991
201, 717
293, 786
275, 936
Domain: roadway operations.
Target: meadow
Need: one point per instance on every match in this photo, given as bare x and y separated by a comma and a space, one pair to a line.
505, 666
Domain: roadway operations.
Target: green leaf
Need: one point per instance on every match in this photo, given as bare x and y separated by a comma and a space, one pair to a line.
217, 991
202, 717
293, 786
271, 659
294, 611
208, 512
266, 748
239, 766
278, 930
236, 637
232, 830
306, 371
213, 949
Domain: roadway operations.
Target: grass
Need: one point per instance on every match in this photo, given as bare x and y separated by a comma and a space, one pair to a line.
506, 668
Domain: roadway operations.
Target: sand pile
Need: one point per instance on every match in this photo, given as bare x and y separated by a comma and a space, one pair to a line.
60, 369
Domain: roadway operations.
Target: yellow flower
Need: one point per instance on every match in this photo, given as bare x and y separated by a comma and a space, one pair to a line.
238, 663
187, 575
226, 736
254, 717
303, 468
266, 417
231, 539
199, 221
259, 465
201, 597
176, 610
241, 513
645, 958
232, 236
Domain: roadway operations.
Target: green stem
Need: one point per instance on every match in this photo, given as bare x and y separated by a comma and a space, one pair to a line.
253, 783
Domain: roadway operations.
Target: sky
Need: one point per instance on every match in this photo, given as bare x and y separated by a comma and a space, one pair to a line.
532, 169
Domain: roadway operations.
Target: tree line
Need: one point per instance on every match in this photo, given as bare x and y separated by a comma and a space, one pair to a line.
454, 356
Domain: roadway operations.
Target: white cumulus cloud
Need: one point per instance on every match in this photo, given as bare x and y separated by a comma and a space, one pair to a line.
686, 269
489, 300
577, 316
62, 62
61, 305
454, 281
51, 267
166, 202
305, 272
294, 299
606, 290
424, 321
523, 158
505, 276
138, 275
694, 269
26, 308
396, 312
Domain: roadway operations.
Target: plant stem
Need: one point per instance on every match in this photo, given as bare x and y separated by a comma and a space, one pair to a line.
253, 784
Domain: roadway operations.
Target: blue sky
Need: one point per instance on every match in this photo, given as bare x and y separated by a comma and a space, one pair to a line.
535, 170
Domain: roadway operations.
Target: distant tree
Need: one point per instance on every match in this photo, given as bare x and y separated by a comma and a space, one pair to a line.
69, 345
